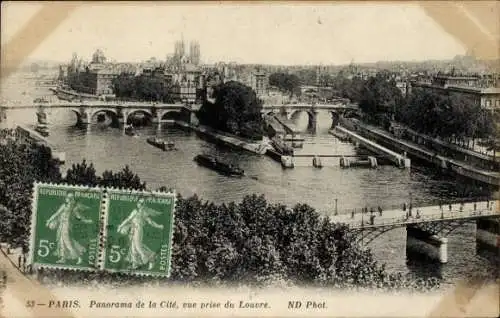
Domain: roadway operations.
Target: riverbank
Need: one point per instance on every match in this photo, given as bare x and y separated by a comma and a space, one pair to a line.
226, 139
70, 95
30, 136
417, 151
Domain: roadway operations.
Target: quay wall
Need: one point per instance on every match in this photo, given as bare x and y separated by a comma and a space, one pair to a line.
71, 95
226, 139
398, 159
473, 158
460, 168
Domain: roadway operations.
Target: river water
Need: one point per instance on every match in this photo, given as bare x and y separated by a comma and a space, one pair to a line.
386, 186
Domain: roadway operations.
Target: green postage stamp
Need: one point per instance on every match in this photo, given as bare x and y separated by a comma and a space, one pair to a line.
65, 227
138, 232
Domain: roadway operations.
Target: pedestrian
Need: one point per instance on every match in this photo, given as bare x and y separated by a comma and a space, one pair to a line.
404, 206
461, 207
379, 210
474, 206
24, 262
352, 214
411, 207
19, 259
371, 211
449, 206
4, 277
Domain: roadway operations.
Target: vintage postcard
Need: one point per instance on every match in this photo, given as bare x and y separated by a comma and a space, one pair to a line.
250, 159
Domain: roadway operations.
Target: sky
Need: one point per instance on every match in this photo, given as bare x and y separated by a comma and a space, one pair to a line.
283, 34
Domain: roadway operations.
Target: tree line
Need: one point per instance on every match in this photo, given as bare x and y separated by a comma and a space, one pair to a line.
449, 116
235, 109
288, 83
252, 242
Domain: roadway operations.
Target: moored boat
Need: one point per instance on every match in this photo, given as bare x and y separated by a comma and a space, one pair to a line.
42, 129
219, 166
162, 144
281, 147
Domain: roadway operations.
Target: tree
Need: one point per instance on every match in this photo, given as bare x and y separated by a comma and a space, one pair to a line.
236, 110
82, 174
289, 83
380, 95
446, 116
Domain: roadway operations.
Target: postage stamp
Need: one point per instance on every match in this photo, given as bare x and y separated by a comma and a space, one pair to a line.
65, 226
138, 232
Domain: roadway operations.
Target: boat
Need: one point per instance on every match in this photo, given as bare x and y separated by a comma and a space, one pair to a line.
42, 129
281, 147
287, 162
130, 131
219, 166
162, 144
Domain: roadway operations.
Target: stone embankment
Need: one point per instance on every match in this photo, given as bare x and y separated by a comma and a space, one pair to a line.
257, 147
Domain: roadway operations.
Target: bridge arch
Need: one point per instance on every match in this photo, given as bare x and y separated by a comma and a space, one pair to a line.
170, 115
311, 117
109, 113
147, 114
82, 115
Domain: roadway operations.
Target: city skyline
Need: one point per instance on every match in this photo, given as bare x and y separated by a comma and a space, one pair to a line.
284, 35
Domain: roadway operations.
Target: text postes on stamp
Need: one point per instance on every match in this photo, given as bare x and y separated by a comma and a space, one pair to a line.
66, 227
138, 232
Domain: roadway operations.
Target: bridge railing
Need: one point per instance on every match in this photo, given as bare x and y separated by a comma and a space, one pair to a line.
456, 202
403, 220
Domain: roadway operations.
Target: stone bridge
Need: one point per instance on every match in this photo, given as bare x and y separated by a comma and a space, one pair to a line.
291, 112
427, 227
119, 112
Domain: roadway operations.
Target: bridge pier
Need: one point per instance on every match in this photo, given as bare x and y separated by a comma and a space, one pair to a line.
312, 125
422, 243
335, 119
488, 234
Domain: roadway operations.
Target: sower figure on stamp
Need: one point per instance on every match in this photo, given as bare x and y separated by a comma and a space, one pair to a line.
67, 247
133, 226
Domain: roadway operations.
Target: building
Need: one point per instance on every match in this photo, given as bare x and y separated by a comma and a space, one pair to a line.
185, 85
259, 83
194, 53
466, 86
96, 77
183, 75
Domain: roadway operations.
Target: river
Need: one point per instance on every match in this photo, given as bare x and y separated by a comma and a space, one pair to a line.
386, 186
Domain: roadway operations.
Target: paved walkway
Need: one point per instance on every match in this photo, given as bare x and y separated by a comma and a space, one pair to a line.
428, 213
